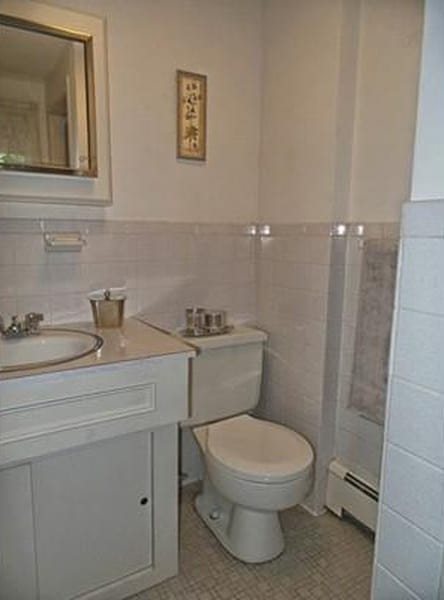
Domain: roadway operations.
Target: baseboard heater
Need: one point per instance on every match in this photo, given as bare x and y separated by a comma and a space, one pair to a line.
349, 493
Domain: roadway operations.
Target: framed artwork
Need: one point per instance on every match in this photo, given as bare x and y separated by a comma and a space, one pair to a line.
191, 115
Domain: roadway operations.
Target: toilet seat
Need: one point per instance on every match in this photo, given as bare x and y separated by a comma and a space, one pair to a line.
259, 451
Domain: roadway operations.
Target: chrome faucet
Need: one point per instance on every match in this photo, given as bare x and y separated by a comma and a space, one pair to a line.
30, 325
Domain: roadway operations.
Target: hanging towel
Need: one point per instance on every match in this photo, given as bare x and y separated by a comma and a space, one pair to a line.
372, 341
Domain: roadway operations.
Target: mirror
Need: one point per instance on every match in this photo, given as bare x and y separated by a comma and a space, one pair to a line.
47, 112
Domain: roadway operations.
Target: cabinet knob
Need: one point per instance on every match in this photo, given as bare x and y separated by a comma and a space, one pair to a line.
144, 501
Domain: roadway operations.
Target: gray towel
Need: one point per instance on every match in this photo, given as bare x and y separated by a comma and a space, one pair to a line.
372, 341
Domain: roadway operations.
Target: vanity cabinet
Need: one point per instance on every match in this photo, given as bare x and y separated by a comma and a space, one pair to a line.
88, 480
92, 515
17, 552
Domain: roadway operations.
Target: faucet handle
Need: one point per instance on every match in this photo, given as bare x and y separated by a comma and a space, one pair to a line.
33, 316
32, 321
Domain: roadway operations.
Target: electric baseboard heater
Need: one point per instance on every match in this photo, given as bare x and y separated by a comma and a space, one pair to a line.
348, 492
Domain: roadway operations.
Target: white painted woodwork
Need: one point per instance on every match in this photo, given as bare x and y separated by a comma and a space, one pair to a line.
55, 411
17, 557
79, 449
90, 526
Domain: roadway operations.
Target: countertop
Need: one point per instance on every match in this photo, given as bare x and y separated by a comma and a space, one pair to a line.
135, 340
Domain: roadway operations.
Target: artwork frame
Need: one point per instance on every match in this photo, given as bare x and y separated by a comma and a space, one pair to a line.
191, 142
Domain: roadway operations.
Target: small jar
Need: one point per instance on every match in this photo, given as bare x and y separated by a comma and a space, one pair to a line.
195, 319
215, 321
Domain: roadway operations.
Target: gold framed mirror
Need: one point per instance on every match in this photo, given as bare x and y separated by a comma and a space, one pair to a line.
80, 173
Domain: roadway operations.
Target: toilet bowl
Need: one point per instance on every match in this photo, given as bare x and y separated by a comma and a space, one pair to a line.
254, 468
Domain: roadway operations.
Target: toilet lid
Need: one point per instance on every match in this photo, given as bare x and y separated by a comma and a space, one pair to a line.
258, 450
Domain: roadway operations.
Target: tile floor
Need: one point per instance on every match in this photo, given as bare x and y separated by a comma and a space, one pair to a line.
326, 558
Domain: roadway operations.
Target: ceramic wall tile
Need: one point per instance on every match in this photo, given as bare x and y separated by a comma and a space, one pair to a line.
424, 510
164, 267
416, 421
411, 555
418, 357
421, 288
388, 586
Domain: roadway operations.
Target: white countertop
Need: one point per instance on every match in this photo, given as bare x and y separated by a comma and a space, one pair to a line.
135, 340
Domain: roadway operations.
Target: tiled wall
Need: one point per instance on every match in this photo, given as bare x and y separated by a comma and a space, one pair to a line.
307, 297
164, 266
292, 302
358, 440
291, 283
410, 540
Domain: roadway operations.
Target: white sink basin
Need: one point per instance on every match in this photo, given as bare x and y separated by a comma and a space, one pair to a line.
51, 346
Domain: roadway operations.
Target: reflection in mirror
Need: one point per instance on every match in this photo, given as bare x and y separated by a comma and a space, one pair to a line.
46, 99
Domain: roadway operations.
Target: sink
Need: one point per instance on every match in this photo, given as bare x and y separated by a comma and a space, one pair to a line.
49, 347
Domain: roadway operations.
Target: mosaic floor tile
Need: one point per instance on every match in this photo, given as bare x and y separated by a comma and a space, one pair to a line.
325, 559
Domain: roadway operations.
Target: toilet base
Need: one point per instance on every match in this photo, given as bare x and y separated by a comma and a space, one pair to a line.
252, 536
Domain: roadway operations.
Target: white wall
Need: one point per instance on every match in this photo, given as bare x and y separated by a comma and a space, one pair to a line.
337, 90
339, 105
148, 40
386, 94
300, 81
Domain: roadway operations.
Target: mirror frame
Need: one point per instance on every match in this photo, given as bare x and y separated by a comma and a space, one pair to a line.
66, 185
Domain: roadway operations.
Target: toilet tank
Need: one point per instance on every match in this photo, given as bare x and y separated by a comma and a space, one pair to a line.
225, 375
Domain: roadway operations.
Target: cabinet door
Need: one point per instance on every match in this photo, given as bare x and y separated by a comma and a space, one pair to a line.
17, 558
92, 511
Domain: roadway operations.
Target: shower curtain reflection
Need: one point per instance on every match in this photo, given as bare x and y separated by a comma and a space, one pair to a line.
369, 283
373, 327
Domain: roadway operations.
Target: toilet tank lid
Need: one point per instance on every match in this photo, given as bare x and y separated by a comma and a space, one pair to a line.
236, 337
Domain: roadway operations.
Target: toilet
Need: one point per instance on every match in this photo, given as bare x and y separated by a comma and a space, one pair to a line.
253, 468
